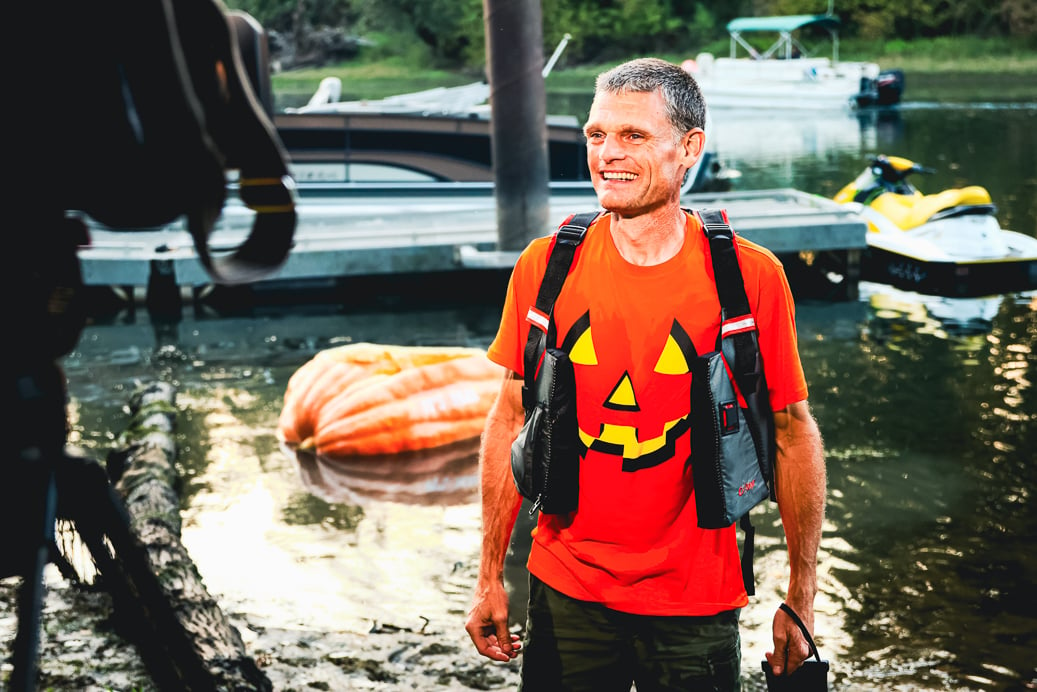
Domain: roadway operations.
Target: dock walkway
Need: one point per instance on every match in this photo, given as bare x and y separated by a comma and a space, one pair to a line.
362, 229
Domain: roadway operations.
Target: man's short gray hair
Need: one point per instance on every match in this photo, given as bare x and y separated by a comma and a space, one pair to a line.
685, 106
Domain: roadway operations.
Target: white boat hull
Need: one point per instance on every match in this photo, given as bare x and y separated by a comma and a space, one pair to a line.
806, 84
967, 255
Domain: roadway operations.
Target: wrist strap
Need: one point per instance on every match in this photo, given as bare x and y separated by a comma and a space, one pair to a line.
803, 628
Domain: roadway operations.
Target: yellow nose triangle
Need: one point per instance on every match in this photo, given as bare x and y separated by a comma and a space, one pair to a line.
622, 397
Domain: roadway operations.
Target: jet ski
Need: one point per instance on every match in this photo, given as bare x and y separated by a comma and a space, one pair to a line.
946, 243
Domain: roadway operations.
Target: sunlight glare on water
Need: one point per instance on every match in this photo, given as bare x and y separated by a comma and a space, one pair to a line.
390, 568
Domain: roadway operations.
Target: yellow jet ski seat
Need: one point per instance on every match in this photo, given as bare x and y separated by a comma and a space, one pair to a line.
911, 211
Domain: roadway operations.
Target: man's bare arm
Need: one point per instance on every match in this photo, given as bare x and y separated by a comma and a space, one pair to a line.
800, 483
488, 619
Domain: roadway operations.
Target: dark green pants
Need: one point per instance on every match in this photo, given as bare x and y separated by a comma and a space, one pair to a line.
576, 645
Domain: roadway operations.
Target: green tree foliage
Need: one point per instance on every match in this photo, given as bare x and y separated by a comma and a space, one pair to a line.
292, 16
607, 29
908, 19
602, 30
452, 29
1020, 16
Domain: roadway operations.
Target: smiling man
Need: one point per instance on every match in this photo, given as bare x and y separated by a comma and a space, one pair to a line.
628, 589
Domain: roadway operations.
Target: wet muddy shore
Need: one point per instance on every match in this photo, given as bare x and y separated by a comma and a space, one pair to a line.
81, 650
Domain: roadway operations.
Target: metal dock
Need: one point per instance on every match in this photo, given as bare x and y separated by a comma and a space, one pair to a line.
360, 229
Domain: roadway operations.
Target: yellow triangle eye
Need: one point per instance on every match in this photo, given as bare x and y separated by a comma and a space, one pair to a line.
582, 352
672, 360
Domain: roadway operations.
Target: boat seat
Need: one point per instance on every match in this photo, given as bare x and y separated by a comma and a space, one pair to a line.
911, 211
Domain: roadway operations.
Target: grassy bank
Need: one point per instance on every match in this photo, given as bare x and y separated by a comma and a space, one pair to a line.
963, 68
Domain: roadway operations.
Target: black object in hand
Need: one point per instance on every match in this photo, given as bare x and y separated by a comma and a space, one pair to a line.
811, 676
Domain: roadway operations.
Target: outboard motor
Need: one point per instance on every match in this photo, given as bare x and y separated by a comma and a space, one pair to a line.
889, 87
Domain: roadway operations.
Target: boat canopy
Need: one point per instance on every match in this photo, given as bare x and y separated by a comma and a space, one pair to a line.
782, 24
786, 46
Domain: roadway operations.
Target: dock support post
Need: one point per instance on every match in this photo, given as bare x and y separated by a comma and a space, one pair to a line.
163, 297
852, 274
515, 59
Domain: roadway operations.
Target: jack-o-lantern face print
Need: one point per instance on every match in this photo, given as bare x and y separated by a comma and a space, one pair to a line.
634, 397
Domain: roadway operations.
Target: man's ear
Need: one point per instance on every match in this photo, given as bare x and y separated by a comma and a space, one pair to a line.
694, 144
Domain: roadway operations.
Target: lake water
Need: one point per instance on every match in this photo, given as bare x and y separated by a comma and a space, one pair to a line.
928, 408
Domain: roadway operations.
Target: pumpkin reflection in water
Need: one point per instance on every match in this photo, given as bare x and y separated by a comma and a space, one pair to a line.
444, 475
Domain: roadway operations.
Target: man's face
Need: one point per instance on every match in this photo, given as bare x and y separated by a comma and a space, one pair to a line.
635, 162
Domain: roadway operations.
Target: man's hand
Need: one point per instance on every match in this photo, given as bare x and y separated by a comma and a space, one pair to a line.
790, 647
488, 624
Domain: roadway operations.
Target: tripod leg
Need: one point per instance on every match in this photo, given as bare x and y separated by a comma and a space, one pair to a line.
31, 450
30, 595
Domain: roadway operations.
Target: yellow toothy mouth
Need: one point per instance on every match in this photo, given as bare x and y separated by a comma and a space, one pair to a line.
622, 440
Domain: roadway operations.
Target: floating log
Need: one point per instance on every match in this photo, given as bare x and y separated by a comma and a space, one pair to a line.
142, 466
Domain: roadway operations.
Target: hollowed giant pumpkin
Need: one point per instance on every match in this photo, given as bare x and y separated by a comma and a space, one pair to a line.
369, 399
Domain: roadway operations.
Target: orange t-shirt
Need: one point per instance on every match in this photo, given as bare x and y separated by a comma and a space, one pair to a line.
632, 331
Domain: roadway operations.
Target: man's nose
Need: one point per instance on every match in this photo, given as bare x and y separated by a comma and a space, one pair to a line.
610, 149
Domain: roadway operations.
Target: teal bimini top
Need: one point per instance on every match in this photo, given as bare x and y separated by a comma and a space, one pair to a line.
784, 24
